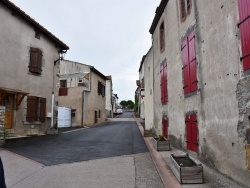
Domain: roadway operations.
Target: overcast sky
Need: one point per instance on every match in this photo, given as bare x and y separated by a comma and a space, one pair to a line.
111, 35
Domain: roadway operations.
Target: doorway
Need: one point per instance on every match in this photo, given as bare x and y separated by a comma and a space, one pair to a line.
8, 103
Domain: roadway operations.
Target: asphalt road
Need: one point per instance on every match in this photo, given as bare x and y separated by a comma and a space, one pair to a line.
109, 140
113, 154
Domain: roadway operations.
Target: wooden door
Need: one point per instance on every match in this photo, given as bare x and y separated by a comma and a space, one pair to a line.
9, 99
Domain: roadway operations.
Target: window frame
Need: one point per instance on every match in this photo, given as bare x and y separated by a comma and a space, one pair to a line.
162, 36
185, 9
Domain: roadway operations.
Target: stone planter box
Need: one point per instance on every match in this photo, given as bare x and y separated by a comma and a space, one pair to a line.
186, 169
161, 145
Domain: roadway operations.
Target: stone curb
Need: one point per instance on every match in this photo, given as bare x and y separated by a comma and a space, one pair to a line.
166, 175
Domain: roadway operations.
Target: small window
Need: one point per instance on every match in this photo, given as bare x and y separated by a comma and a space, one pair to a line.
37, 35
35, 65
185, 8
162, 37
63, 83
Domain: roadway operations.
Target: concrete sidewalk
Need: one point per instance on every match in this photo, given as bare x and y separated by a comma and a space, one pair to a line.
161, 160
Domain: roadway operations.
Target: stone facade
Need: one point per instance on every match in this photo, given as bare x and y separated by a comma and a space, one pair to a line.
221, 101
20, 34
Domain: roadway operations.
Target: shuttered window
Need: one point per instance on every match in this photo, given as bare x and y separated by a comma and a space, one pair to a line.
244, 25
36, 109
185, 8
32, 107
35, 65
63, 91
191, 132
101, 89
164, 82
165, 127
189, 69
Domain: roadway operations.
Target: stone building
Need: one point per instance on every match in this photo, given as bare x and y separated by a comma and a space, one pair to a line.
28, 53
202, 80
82, 89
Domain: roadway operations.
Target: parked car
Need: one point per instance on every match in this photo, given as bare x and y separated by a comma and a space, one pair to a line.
118, 111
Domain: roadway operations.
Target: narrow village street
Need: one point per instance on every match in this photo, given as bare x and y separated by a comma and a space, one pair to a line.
113, 154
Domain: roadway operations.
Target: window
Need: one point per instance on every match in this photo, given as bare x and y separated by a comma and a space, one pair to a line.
244, 25
63, 83
36, 109
37, 35
162, 37
185, 7
35, 65
165, 127
189, 64
191, 132
164, 82
101, 89
99, 113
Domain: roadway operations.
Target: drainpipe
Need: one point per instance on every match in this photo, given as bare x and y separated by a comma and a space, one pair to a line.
82, 108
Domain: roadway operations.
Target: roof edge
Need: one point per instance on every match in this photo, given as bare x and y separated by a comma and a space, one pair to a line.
40, 28
158, 12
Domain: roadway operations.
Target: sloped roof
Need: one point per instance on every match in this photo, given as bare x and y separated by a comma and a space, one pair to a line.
158, 13
17, 11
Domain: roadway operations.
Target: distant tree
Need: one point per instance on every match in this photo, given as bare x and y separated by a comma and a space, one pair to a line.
123, 103
130, 104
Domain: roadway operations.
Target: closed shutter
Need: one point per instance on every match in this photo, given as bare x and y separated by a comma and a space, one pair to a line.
42, 109
165, 83
185, 68
162, 83
192, 62
165, 127
194, 140
35, 60
192, 132
63, 91
31, 114
188, 133
244, 14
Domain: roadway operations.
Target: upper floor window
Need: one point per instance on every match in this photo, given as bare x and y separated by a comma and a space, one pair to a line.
189, 64
164, 82
162, 37
35, 65
36, 109
185, 7
244, 25
101, 89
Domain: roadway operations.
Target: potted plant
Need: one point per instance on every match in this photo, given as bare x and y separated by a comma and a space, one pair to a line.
160, 143
186, 169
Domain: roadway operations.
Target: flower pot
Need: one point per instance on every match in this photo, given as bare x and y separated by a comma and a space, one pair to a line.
161, 145
186, 169
147, 133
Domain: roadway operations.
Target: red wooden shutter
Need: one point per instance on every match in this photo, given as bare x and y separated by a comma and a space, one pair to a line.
188, 132
165, 127
31, 114
194, 130
192, 63
42, 109
162, 83
165, 83
185, 68
244, 13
